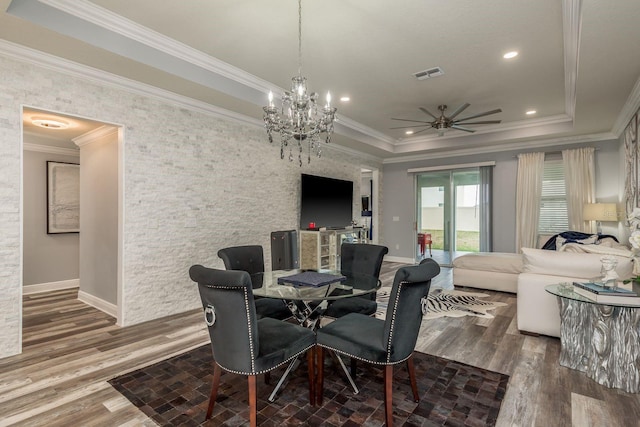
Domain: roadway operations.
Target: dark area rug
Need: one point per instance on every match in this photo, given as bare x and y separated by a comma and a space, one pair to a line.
175, 392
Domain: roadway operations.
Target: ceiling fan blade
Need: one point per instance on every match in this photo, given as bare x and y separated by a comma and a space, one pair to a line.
424, 110
425, 129
407, 120
459, 110
410, 127
486, 113
486, 122
462, 128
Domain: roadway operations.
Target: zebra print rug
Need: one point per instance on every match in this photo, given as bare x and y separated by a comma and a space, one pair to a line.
446, 303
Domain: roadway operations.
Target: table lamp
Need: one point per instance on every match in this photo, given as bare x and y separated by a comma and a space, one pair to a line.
600, 212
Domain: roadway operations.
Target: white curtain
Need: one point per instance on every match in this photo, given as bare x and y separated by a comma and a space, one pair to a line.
486, 217
528, 194
579, 176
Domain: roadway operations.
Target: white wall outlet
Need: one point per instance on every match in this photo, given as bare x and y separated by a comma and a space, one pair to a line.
396, 218
397, 247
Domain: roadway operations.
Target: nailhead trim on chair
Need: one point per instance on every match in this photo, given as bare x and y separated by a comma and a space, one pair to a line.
364, 360
246, 307
253, 367
284, 362
393, 319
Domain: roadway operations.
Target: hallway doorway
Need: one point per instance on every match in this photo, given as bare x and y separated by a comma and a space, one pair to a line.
56, 258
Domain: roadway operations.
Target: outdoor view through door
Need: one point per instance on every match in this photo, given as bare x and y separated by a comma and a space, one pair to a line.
453, 208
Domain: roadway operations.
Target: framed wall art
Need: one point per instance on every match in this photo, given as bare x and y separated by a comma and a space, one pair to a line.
63, 197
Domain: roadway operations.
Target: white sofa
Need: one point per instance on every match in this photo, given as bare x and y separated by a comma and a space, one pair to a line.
497, 271
528, 273
537, 309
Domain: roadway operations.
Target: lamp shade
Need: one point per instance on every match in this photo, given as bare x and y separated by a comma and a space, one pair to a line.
600, 212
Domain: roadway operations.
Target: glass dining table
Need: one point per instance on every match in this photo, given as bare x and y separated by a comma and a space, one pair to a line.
308, 293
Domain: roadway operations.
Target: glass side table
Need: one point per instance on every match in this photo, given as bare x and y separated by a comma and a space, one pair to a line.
601, 340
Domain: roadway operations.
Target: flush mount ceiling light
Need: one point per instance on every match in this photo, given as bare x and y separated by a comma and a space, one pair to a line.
345, 99
531, 112
299, 117
510, 55
50, 123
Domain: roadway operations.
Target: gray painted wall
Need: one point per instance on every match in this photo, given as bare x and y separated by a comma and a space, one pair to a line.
47, 257
398, 193
99, 218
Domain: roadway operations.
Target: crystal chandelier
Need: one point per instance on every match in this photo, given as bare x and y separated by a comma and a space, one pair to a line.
299, 118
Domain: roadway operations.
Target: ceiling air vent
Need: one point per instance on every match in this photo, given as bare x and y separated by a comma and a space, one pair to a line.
427, 74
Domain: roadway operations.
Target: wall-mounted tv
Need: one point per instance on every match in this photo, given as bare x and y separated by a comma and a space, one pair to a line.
327, 202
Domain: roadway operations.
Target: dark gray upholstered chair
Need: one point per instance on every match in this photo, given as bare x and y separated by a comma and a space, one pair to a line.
382, 342
251, 259
242, 343
358, 259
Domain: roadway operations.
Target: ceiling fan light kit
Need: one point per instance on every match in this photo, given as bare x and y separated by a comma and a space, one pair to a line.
442, 122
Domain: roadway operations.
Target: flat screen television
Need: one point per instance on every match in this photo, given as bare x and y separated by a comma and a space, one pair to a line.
327, 202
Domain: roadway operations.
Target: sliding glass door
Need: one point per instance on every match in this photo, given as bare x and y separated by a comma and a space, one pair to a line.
453, 207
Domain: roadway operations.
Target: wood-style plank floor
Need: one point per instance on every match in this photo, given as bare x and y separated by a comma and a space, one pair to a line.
71, 350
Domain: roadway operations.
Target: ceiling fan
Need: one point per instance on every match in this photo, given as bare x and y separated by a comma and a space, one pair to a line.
443, 122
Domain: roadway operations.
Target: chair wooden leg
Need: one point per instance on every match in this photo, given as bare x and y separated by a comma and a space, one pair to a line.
354, 367
412, 377
217, 371
311, 367
319, 374
267, 378
253, 401
388, 395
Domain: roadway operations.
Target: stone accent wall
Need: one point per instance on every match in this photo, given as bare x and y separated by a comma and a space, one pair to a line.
193, 183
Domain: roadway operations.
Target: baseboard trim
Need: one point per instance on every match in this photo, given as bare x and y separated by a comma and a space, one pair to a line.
50, 286
400, 259
100, 304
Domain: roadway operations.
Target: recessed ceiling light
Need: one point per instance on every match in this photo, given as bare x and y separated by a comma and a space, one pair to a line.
50, 123
409, 132
531, 112
510, 55
345, 99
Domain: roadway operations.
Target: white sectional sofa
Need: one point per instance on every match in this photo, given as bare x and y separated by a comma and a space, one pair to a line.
497, 271
538, 311
528, 273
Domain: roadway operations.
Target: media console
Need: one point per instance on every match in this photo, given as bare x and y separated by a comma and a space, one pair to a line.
321, 249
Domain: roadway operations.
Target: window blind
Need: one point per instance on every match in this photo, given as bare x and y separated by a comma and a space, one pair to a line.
553, 202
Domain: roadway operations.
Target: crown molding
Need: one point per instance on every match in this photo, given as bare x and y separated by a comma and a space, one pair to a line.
103, 78
108, 21
115, 23
572, 28
96, 15
50, 150
630, 108
519, 125
361, 155
94, 135
511, 146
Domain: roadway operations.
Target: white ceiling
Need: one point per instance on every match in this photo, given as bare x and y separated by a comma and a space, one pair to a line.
578, 64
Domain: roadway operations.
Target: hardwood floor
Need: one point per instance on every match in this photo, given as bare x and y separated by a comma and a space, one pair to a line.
71, 350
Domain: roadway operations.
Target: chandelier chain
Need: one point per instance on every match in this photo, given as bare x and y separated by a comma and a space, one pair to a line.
299, 37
